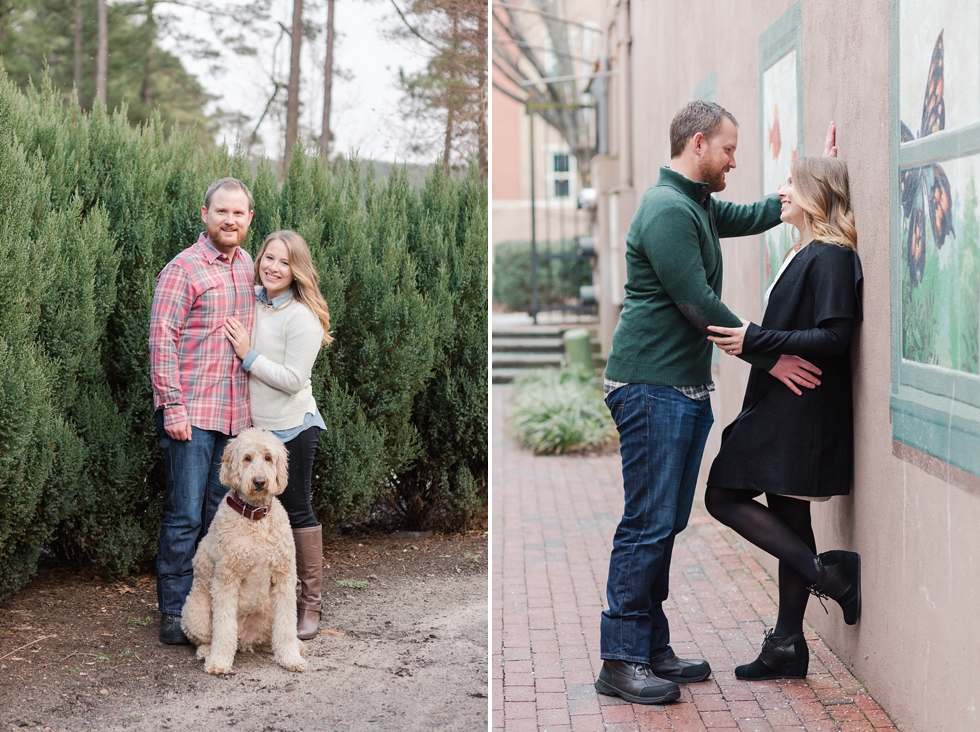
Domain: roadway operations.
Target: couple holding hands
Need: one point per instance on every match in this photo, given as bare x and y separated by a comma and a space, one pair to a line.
793, 439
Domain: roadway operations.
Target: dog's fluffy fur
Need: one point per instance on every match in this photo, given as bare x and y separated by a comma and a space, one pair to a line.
244, 590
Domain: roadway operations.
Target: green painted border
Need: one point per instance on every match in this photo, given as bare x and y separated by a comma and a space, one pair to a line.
708, 88
783, 36
935, 410
935, 148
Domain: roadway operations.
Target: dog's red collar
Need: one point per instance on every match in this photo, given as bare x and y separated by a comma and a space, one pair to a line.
253, 513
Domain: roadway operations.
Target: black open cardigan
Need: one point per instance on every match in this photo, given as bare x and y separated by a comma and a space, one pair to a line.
799, 445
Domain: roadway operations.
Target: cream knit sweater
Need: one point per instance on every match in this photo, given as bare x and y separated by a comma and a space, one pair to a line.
288, 340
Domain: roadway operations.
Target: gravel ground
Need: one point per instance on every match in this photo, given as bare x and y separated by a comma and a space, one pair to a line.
406, 652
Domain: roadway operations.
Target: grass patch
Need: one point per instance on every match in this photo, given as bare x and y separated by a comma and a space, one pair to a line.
354, 584
555, 411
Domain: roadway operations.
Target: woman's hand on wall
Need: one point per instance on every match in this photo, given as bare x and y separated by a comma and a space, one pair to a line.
830, 145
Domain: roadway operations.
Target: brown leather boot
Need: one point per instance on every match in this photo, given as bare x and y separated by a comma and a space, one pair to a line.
309, 572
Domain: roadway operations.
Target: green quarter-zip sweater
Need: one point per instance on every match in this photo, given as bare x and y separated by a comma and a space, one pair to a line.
673, 282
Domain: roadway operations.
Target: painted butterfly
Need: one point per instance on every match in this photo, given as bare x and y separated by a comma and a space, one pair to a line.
927, 187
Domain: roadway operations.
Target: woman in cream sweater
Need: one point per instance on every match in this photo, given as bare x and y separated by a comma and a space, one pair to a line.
291, 323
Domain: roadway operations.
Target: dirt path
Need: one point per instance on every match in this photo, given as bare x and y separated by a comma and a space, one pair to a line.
407, 652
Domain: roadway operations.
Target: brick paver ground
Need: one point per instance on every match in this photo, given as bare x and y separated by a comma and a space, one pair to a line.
553, 522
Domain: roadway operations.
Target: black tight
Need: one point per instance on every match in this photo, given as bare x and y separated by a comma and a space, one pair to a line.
296, 498
782, 529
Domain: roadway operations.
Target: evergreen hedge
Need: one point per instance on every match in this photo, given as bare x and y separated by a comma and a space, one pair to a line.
92, 209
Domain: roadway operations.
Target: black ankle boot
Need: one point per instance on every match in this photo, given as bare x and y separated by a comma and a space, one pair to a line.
781, 658
839, 578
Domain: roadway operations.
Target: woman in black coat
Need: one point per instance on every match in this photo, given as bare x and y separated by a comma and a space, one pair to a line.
797, 447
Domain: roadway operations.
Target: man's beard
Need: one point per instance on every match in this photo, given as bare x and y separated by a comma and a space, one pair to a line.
714, 178
214, 234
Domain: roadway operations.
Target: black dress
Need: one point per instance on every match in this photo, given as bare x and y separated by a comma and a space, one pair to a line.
799, 445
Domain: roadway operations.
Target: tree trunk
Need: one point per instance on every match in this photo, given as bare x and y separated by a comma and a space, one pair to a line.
146, 88
102, 59
292, 89
448, 144
78, 49
327, 84
482, 137
451, 103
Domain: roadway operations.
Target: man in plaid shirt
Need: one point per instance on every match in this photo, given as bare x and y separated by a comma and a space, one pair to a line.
200, 391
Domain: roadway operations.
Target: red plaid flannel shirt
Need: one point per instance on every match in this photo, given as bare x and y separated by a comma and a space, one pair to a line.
195, 374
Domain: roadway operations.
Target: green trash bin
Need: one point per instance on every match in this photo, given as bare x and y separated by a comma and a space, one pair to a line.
578, 347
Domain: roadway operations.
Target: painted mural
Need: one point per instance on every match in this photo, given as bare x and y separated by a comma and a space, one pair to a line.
781, 144
940, 90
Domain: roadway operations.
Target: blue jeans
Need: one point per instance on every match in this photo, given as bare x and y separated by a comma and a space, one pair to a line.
662, 435
193, 496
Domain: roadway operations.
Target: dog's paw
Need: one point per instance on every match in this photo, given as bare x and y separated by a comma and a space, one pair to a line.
217, 667
203, 651
294, 664
302, 649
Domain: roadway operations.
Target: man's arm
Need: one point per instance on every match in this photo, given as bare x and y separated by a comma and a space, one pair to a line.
738, 219
670, 242
172, 301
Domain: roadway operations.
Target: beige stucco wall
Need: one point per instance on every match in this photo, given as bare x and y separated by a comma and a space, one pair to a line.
917, 646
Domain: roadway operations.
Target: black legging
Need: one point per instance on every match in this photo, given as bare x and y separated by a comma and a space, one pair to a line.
782, 529
296, 498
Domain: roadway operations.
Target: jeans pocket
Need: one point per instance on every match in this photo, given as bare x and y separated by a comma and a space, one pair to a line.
616, 399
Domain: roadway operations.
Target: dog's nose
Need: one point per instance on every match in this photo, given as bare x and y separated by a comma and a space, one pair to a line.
259, 482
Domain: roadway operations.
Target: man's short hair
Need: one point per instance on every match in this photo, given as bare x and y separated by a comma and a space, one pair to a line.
227, 183
694, 117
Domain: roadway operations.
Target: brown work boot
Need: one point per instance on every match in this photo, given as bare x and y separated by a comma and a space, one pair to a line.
309, 572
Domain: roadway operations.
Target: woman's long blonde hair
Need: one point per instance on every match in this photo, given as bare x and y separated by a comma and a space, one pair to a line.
822, 190
306, 281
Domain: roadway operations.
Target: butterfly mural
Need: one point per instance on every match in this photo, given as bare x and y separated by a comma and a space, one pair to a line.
925, 189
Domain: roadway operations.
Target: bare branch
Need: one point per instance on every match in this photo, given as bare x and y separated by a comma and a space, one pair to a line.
408, 25
508, 93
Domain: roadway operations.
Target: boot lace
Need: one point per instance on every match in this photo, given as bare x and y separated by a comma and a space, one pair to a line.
767, 639
820, 595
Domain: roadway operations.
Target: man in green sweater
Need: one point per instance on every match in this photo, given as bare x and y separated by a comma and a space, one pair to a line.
658, 378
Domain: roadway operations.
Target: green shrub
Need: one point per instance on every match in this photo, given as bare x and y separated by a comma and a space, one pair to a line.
556, 411
94, 208
446, 487
558, 279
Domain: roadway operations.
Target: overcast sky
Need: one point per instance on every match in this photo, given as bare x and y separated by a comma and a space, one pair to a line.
364, 116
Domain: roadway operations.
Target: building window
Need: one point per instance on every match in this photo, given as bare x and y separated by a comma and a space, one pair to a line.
560, 172
935, 247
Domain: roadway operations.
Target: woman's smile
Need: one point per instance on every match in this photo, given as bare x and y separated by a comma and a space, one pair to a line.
274, 269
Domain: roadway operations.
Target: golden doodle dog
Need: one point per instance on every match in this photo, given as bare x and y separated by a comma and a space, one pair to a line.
244, 590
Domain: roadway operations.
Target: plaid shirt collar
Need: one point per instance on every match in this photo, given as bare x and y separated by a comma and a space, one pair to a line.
209, 251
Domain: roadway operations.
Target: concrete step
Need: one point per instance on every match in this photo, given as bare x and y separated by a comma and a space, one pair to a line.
538, 345
506, 376
525, 360
529, 331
